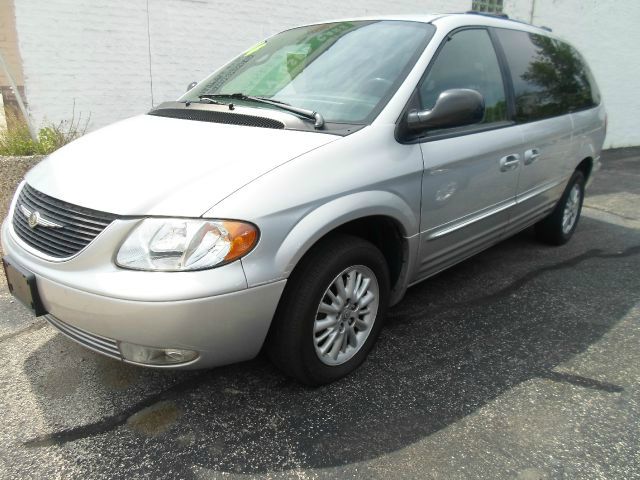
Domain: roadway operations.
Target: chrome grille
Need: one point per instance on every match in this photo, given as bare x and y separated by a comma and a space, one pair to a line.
100, 344
78, 226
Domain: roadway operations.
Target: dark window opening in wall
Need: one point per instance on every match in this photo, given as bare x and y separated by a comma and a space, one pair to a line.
489, 6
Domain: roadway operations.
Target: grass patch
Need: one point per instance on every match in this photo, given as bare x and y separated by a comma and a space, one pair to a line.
16, 141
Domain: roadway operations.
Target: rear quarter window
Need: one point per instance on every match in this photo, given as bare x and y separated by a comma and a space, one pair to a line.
549, 77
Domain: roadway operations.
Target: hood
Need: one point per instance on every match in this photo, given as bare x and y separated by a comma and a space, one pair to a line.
150, 165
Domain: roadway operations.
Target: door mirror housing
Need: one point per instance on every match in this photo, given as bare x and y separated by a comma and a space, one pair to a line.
454, 108
191, 85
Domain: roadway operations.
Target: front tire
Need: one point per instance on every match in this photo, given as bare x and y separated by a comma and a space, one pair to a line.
331, 311
558, 227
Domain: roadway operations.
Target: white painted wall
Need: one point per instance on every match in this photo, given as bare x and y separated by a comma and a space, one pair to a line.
103, 55
96, 54
93, 53
606, 32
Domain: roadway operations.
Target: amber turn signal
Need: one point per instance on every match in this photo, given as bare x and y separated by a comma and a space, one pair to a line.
243, 237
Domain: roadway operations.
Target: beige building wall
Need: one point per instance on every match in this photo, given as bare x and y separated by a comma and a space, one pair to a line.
3, 119
11, 54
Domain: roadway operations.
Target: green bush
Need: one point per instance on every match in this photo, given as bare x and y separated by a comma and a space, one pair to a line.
16, 140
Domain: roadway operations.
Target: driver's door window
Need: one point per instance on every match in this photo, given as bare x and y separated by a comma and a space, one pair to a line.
467, 60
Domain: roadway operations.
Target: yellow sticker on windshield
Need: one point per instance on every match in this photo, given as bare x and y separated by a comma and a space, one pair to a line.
255, 48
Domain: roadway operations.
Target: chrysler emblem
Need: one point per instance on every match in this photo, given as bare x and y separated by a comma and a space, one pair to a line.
35, 219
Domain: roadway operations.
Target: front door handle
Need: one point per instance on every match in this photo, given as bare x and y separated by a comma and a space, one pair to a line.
509, 162
531, 156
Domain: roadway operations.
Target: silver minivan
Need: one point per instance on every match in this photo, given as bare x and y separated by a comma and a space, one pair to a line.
288, 199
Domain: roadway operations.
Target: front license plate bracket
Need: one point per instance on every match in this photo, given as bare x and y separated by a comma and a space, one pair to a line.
23, 286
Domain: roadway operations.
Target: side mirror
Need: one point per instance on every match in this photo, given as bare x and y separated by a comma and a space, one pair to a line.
454, 108
191, 85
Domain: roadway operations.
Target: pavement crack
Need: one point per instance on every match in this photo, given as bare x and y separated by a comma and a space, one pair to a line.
581, 381
35, 326
604, 210
112, 422
571, 262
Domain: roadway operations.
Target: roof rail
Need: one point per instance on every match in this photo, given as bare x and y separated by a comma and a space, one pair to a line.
488, 14
505, 17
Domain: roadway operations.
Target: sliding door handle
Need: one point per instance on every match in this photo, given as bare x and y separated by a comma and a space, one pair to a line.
531, 156
509, 162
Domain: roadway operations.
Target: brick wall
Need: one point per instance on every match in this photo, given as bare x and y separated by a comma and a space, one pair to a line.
104, 56
96, 54
92, 53
606, 32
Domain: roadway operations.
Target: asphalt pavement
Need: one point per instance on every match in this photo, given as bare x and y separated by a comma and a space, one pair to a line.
520, 363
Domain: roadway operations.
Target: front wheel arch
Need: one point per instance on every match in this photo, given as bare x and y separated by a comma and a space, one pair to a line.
369, 215
290, 342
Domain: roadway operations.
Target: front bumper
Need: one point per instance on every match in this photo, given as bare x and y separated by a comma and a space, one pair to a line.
223, 329
211, 311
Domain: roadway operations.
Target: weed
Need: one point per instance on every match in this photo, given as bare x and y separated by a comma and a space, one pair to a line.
17, 141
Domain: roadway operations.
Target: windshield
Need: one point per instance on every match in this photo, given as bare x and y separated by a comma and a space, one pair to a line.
347, 71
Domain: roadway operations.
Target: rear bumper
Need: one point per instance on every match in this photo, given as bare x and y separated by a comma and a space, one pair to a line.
597, 165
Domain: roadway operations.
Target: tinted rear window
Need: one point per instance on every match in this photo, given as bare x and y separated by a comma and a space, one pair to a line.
549, 77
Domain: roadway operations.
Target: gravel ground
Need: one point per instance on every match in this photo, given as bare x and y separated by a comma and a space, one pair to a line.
12, 169
520, 363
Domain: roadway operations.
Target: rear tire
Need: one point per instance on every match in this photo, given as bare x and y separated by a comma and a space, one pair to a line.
335, 302
559, 226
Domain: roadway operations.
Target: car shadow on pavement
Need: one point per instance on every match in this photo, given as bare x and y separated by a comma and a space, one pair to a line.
455, 343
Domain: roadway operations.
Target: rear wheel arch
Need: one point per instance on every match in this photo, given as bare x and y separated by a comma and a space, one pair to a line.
558, 227
586, 167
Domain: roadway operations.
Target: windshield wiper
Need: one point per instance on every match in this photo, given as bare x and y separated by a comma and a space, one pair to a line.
317, 117
211, 100
208, 100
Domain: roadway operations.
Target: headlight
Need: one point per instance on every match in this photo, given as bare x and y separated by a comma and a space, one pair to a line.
173, 245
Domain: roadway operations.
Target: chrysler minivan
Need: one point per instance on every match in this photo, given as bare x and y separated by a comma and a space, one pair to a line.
288, 199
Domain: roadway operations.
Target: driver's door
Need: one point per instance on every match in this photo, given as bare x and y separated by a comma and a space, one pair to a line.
471, 172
